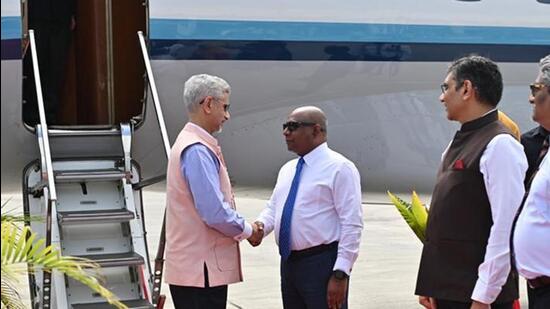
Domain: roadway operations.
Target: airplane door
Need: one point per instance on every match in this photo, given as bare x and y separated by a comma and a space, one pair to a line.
129, 16
103, 75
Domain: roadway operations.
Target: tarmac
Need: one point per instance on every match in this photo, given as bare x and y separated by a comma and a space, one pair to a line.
383, 276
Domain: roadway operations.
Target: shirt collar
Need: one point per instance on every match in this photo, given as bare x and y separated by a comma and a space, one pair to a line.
477, 123
542, 131
202, 133
315, 154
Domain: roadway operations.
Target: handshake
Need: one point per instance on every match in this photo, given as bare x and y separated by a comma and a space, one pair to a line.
257, 234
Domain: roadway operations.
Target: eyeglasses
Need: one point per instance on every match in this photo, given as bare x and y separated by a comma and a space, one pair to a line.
294, 125
444, 87
536, 87
225, 106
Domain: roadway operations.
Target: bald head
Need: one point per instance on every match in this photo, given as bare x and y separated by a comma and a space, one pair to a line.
311, 114
308, 131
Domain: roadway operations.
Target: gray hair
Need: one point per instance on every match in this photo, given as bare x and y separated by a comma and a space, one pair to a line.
545, 70
198, 87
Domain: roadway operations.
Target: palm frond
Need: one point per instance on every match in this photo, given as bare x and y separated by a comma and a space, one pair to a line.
10, 297
14, 215
22, 245
406, 211
420, 212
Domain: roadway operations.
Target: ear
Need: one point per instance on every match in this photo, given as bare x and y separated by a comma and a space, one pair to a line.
207, 105
468, 90
317, 130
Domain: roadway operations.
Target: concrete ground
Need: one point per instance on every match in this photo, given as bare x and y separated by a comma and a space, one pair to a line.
383, 277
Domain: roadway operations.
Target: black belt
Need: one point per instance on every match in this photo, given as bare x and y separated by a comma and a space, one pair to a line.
298, 254
539, 282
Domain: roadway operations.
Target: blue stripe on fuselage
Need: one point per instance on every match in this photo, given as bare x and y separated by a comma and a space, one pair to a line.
189, 29
262, 40
11, 27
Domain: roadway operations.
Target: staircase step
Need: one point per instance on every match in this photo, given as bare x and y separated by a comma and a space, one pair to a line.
132, 304
94, 216
89, 175
82, 131
116, 259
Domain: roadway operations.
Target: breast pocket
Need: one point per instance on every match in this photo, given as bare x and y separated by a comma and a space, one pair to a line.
315, 198
540, 189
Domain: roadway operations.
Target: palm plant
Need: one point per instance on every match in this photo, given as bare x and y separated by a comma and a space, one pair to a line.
21, 246
414, 213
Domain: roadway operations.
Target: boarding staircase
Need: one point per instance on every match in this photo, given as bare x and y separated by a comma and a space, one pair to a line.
87, 188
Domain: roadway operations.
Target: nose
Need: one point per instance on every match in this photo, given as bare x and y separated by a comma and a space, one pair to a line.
227, 115
441, 96
286, 132
531, 98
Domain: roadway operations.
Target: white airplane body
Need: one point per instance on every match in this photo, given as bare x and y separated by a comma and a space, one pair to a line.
373, 66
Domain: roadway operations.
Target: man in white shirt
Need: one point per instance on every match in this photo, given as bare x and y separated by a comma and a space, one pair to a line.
466, 258
316, 213
532, 230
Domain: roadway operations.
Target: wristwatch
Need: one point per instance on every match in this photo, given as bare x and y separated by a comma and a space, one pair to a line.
339, 275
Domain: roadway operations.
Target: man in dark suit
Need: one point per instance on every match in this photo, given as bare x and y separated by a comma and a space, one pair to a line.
532, 140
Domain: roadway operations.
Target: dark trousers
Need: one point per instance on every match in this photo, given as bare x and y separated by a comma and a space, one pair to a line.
304, 280
186, 297
449, 304
539, 298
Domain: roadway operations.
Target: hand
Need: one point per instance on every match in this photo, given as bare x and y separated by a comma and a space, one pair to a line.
427, 302
257, 234
336, 292
478, 305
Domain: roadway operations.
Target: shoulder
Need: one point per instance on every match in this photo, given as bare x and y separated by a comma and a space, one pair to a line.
341, 162
504, 145
509, 123
197, 151
529, 134
504, 141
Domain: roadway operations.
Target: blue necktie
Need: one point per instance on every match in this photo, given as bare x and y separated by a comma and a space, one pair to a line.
286, 217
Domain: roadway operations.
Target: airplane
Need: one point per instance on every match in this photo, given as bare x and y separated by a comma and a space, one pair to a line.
373, 66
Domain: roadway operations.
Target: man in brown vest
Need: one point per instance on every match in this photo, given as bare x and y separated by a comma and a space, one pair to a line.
466, 257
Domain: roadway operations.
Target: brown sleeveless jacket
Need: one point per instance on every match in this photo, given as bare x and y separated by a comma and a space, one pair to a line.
460, 218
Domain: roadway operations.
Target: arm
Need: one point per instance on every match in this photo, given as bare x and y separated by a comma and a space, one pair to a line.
200, 168
267, 216
347, 202
503, 166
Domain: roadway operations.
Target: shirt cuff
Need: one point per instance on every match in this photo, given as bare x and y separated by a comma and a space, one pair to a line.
343, 265
484, 293
247, 232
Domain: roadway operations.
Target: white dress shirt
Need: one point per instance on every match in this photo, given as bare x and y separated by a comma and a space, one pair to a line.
532, 235
503, 165
327, 208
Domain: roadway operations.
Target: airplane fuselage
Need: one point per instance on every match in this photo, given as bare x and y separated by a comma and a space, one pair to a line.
373, 66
